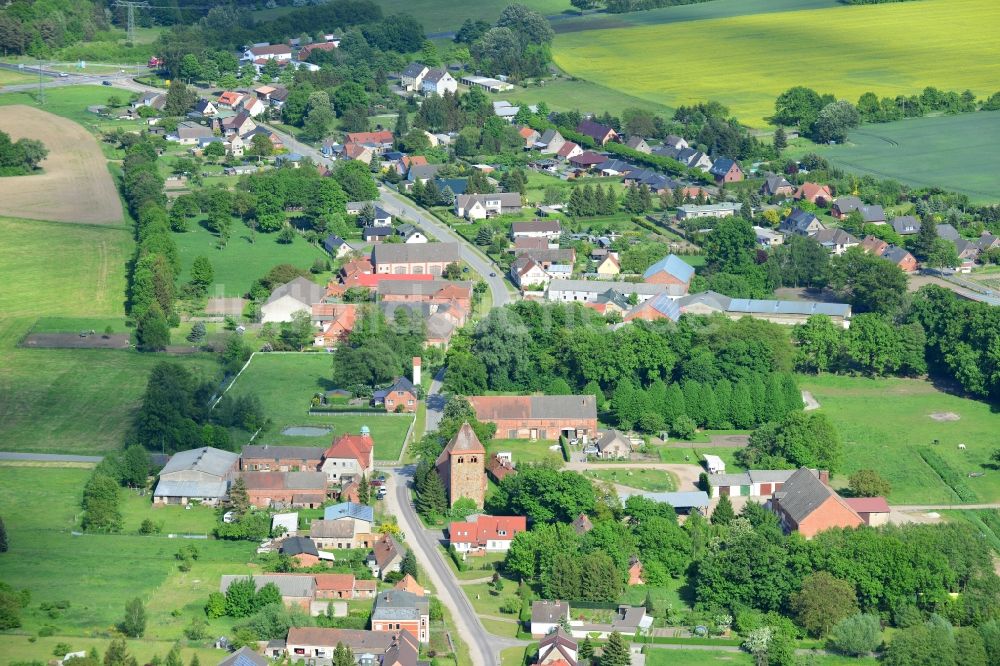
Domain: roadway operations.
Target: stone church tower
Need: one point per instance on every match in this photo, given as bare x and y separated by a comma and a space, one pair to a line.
462, 467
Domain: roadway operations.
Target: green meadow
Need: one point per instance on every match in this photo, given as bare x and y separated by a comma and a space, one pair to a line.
98, 573
285, 384
882, 423
960, 153
241, 261
742, 61
76, 274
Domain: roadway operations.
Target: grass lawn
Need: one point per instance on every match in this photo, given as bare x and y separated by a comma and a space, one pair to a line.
955, 152
241, 262
945, 43
516, 656
524, 450
693, 455
76, 274
664, 656
11, 78
89, 570
285, 384
486, 603
673, 594
479, 567
72, 102
173, 519
652, 480
882, 422
17, 648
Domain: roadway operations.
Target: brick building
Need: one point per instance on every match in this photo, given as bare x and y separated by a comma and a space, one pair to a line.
539, 417
296, 489
462, 467
265, 458
485, 534
349, 457
807, 505
399, 610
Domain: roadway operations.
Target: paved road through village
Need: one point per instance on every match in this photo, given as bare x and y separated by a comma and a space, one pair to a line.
484, 647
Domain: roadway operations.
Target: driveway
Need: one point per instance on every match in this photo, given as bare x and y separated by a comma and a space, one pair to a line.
484, 647
687, 475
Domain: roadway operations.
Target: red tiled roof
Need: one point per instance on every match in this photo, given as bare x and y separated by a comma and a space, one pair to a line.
358, 447
334, 581
309, 48
372, 280
867, 504
487, 528
384, 136
229, 97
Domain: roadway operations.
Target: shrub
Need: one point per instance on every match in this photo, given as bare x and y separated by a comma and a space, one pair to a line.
951, 478
856, 635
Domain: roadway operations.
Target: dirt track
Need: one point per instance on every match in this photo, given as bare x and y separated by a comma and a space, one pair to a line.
75, 186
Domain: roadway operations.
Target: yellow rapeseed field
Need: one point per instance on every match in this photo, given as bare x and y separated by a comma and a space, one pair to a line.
746, 61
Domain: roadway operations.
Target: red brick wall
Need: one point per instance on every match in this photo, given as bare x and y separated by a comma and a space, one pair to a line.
830, 513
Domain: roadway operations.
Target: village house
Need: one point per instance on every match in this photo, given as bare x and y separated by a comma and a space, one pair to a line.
901, 258
240, 124
188, 133
343, 586
638, 144
661, 306
438, 82
412, 77
627, 621
814, 194
308, 49
800, 223
253, 106
337, 246
297, 590
318, 643
539, 417
586, 160
671, 271
595, 291
835, 241
349, 457
481, 206
291, 297
500, 465
789, 313
419, 258
344, 525
485, 534
230, 99
433, 291
635, 572
335, 322
400, 610
768, 238
411, 234
386, 556
874, 245
557, 649
205, 108
526, 273
676, 142
776, 186
807, 505
722, 209
614, 445
266, 458
568, 150
376, 234
462, 467
265, 52
550, 141
400, 397
547, 229
601, 134
197, 475
608, 267
725, 170
380, 141
547, 616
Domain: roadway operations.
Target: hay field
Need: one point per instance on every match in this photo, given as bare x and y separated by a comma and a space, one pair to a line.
746, 61
75, 185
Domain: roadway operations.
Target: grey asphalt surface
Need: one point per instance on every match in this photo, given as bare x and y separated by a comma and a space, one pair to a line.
435, 403
484, 647
48, 457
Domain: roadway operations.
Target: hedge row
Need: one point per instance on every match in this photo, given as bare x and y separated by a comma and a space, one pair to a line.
951, 478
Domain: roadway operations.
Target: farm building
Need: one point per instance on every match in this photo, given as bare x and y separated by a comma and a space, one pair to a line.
539, 417
754, 483
198, 475
780, 312
807, 505
683, 502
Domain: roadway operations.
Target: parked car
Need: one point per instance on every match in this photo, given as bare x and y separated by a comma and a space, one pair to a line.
105, 82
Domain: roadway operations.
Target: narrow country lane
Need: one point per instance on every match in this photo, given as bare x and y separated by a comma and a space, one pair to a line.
484, 647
